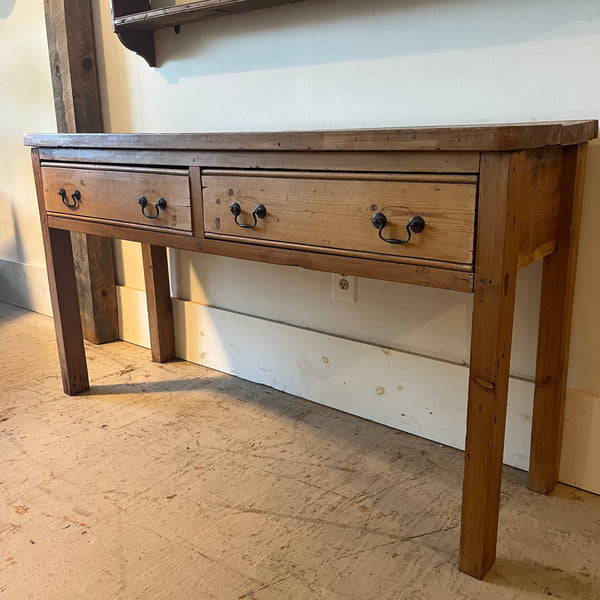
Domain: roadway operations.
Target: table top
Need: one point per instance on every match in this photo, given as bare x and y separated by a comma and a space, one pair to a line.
491, 137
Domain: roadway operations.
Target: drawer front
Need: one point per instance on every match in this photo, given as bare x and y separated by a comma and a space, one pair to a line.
106, 194
335, 212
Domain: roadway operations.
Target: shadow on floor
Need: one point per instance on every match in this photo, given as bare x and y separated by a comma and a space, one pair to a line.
533, 577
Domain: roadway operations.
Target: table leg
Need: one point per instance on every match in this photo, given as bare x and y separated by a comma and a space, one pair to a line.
63, 295
495, 279
160, 306
558, 284
65, 307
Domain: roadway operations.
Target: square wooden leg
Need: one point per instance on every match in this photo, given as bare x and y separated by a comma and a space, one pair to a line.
160, 305
65, 307
558, 285
495, 283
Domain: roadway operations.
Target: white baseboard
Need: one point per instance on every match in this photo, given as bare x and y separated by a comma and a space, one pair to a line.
420, 395
580, 459
25, 285
416, 394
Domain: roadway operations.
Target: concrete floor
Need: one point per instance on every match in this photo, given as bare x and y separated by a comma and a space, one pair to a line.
174, 481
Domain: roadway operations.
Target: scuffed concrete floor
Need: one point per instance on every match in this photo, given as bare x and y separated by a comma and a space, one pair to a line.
173, 481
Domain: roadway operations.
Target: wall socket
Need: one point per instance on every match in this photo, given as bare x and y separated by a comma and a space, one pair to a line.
343, 287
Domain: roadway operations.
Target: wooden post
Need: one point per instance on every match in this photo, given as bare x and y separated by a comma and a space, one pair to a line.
77, 105
554, 337
493, 309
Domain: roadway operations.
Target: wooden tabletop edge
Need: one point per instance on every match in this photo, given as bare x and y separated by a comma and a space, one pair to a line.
500, 137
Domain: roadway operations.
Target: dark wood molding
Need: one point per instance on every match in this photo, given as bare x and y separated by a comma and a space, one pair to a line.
134, 21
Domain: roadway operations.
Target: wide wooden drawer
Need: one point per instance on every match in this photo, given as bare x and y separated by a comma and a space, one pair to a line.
334, 211
118, 194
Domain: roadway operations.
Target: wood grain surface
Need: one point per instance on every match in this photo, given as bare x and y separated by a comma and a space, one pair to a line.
336, 212
463, 138
114, 195
554, 338
408, 162
493, 309
158, 300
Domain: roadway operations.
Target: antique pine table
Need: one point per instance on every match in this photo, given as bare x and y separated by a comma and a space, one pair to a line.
461, 208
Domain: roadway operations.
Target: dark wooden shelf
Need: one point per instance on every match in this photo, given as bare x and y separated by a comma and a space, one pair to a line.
134, 21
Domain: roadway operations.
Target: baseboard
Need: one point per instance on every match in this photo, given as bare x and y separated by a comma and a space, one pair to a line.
416, 394
25, 285
580, 460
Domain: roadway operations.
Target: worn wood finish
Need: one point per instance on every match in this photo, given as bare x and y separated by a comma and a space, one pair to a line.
63, 295
336, 211
65, 308
407, 260
122, 231
158, 298
521, 200
91, 220
540, 203
73, 65
324, 175
114, 195
440, 276
467, 138
579, 132
196, 200
77, 106
398, 162
330, 263
96, 287
134, 169
558, 286
493, 307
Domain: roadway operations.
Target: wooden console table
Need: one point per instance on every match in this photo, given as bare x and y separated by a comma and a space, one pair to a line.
460, 208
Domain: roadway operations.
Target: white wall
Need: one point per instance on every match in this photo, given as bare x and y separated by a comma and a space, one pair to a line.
336, 64
26, 104
347, 63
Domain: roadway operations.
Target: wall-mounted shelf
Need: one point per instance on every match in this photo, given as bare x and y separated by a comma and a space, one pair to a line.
134, 21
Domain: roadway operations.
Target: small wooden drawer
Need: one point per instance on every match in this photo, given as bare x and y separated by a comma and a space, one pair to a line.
157, 198
333, 212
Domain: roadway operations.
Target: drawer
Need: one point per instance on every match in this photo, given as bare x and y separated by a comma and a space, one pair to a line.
113, 194
334, 212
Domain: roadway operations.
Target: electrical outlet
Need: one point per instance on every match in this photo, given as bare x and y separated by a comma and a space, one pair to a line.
343, 287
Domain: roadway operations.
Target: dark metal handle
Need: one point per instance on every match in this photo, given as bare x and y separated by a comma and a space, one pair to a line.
259, 212
76, 196
415, 225
160, 205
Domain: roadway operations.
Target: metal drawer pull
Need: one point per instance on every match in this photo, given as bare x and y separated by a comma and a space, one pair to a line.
415, 225
160, 205
259, 212
76, 196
